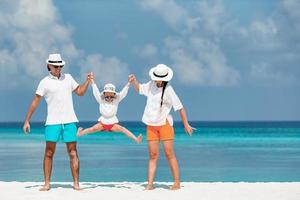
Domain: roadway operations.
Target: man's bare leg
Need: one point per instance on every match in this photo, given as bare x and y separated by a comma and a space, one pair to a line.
48, 160
118, 128
74, 163
93, 129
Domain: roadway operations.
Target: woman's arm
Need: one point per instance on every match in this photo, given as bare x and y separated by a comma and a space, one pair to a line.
132, 79
185, 122
34, 104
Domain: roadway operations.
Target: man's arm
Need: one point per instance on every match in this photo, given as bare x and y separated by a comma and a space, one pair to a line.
34, 104
81, 89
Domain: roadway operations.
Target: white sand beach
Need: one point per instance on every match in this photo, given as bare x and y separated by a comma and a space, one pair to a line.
132, 191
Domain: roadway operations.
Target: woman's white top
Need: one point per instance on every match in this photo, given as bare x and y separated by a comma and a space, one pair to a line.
154, 114
108, 110
58, 95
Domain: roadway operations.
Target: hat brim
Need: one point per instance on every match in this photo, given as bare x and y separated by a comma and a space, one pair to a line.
166, 78
108, 91
56, 64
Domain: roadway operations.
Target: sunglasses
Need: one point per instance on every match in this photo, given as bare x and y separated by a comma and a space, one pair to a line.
58, 66
109, 97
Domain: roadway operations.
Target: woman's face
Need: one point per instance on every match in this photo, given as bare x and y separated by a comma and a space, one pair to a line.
159, 83
55, 70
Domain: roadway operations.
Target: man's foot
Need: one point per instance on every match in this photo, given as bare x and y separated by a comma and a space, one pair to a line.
139, 139
175, 186
149, 187
79, 132
76, 186
45, 188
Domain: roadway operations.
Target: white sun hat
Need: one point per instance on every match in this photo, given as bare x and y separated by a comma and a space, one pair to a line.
161, 72
55, 59
109, 88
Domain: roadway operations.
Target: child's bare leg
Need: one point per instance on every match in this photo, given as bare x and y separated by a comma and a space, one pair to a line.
95, 128
118, 128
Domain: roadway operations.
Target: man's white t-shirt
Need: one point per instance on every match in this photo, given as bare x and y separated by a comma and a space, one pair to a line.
154, 114
58, 95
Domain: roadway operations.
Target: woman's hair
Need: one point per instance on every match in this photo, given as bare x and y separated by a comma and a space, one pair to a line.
48, 67
164, 83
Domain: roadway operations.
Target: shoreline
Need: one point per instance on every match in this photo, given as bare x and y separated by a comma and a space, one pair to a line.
135, 190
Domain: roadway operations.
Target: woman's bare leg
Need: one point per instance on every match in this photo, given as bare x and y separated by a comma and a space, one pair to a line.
118, 128
153, 147
95, 128
170, 155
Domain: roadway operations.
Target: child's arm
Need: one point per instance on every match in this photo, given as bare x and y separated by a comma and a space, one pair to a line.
124, 91
96, 92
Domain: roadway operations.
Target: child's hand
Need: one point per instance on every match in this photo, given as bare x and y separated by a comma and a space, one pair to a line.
131, 78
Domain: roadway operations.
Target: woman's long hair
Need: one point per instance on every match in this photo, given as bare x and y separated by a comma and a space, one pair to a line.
164, 83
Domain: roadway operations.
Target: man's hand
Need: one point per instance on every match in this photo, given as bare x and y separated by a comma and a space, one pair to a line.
90, 77
26, 127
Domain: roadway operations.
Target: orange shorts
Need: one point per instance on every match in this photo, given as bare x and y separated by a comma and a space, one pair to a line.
164, 132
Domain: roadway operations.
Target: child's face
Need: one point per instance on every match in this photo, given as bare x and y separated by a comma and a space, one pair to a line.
109, 96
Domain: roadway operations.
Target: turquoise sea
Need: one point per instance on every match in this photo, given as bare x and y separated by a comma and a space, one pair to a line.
217, 152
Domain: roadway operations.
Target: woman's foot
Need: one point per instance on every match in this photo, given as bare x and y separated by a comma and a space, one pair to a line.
175, 186
149, 187
45, 187
76, 186
139, 138
80, 132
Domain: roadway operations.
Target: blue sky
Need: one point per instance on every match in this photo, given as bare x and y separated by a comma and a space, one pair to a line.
233, 60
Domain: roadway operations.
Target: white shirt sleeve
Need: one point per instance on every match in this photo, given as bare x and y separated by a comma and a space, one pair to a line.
96, 93
145, 88
74, 84
175, 101
40, 89
123, 92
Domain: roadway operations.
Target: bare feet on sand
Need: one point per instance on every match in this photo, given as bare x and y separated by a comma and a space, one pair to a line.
149, 187
139, 138
175, 186
45, 187
79, 132
76, 186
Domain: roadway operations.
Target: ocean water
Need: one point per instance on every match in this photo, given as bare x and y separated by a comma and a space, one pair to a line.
217, 152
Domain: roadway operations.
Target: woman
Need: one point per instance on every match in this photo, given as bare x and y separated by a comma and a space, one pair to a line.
160, 99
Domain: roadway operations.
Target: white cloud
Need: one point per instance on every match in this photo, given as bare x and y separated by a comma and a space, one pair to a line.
173, 14
106, 70
148, 51
30, 30
195, 55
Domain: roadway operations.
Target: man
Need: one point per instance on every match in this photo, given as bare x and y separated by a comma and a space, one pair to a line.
57, 89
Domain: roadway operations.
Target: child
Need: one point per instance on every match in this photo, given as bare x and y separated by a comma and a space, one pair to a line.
108, 101
161, 97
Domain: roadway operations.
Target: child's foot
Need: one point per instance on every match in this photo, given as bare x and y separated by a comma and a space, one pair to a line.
139, 138
45, 187
175, 186
79, 132
149, 187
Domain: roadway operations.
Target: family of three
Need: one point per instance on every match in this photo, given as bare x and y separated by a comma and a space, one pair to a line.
57, 89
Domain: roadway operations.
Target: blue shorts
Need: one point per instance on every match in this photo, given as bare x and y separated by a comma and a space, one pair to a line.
67, 132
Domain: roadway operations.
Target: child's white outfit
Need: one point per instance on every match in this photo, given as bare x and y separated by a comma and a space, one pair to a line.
108, 110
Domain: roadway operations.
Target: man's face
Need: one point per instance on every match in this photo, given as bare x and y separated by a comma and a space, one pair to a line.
55, 69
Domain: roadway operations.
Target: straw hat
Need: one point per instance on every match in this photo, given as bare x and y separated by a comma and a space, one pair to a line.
161, 72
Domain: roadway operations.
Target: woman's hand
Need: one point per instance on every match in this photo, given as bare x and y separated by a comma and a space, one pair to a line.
188, 129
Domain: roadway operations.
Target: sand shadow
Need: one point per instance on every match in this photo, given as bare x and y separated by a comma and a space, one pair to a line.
53, 186
158, 185
95, 185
